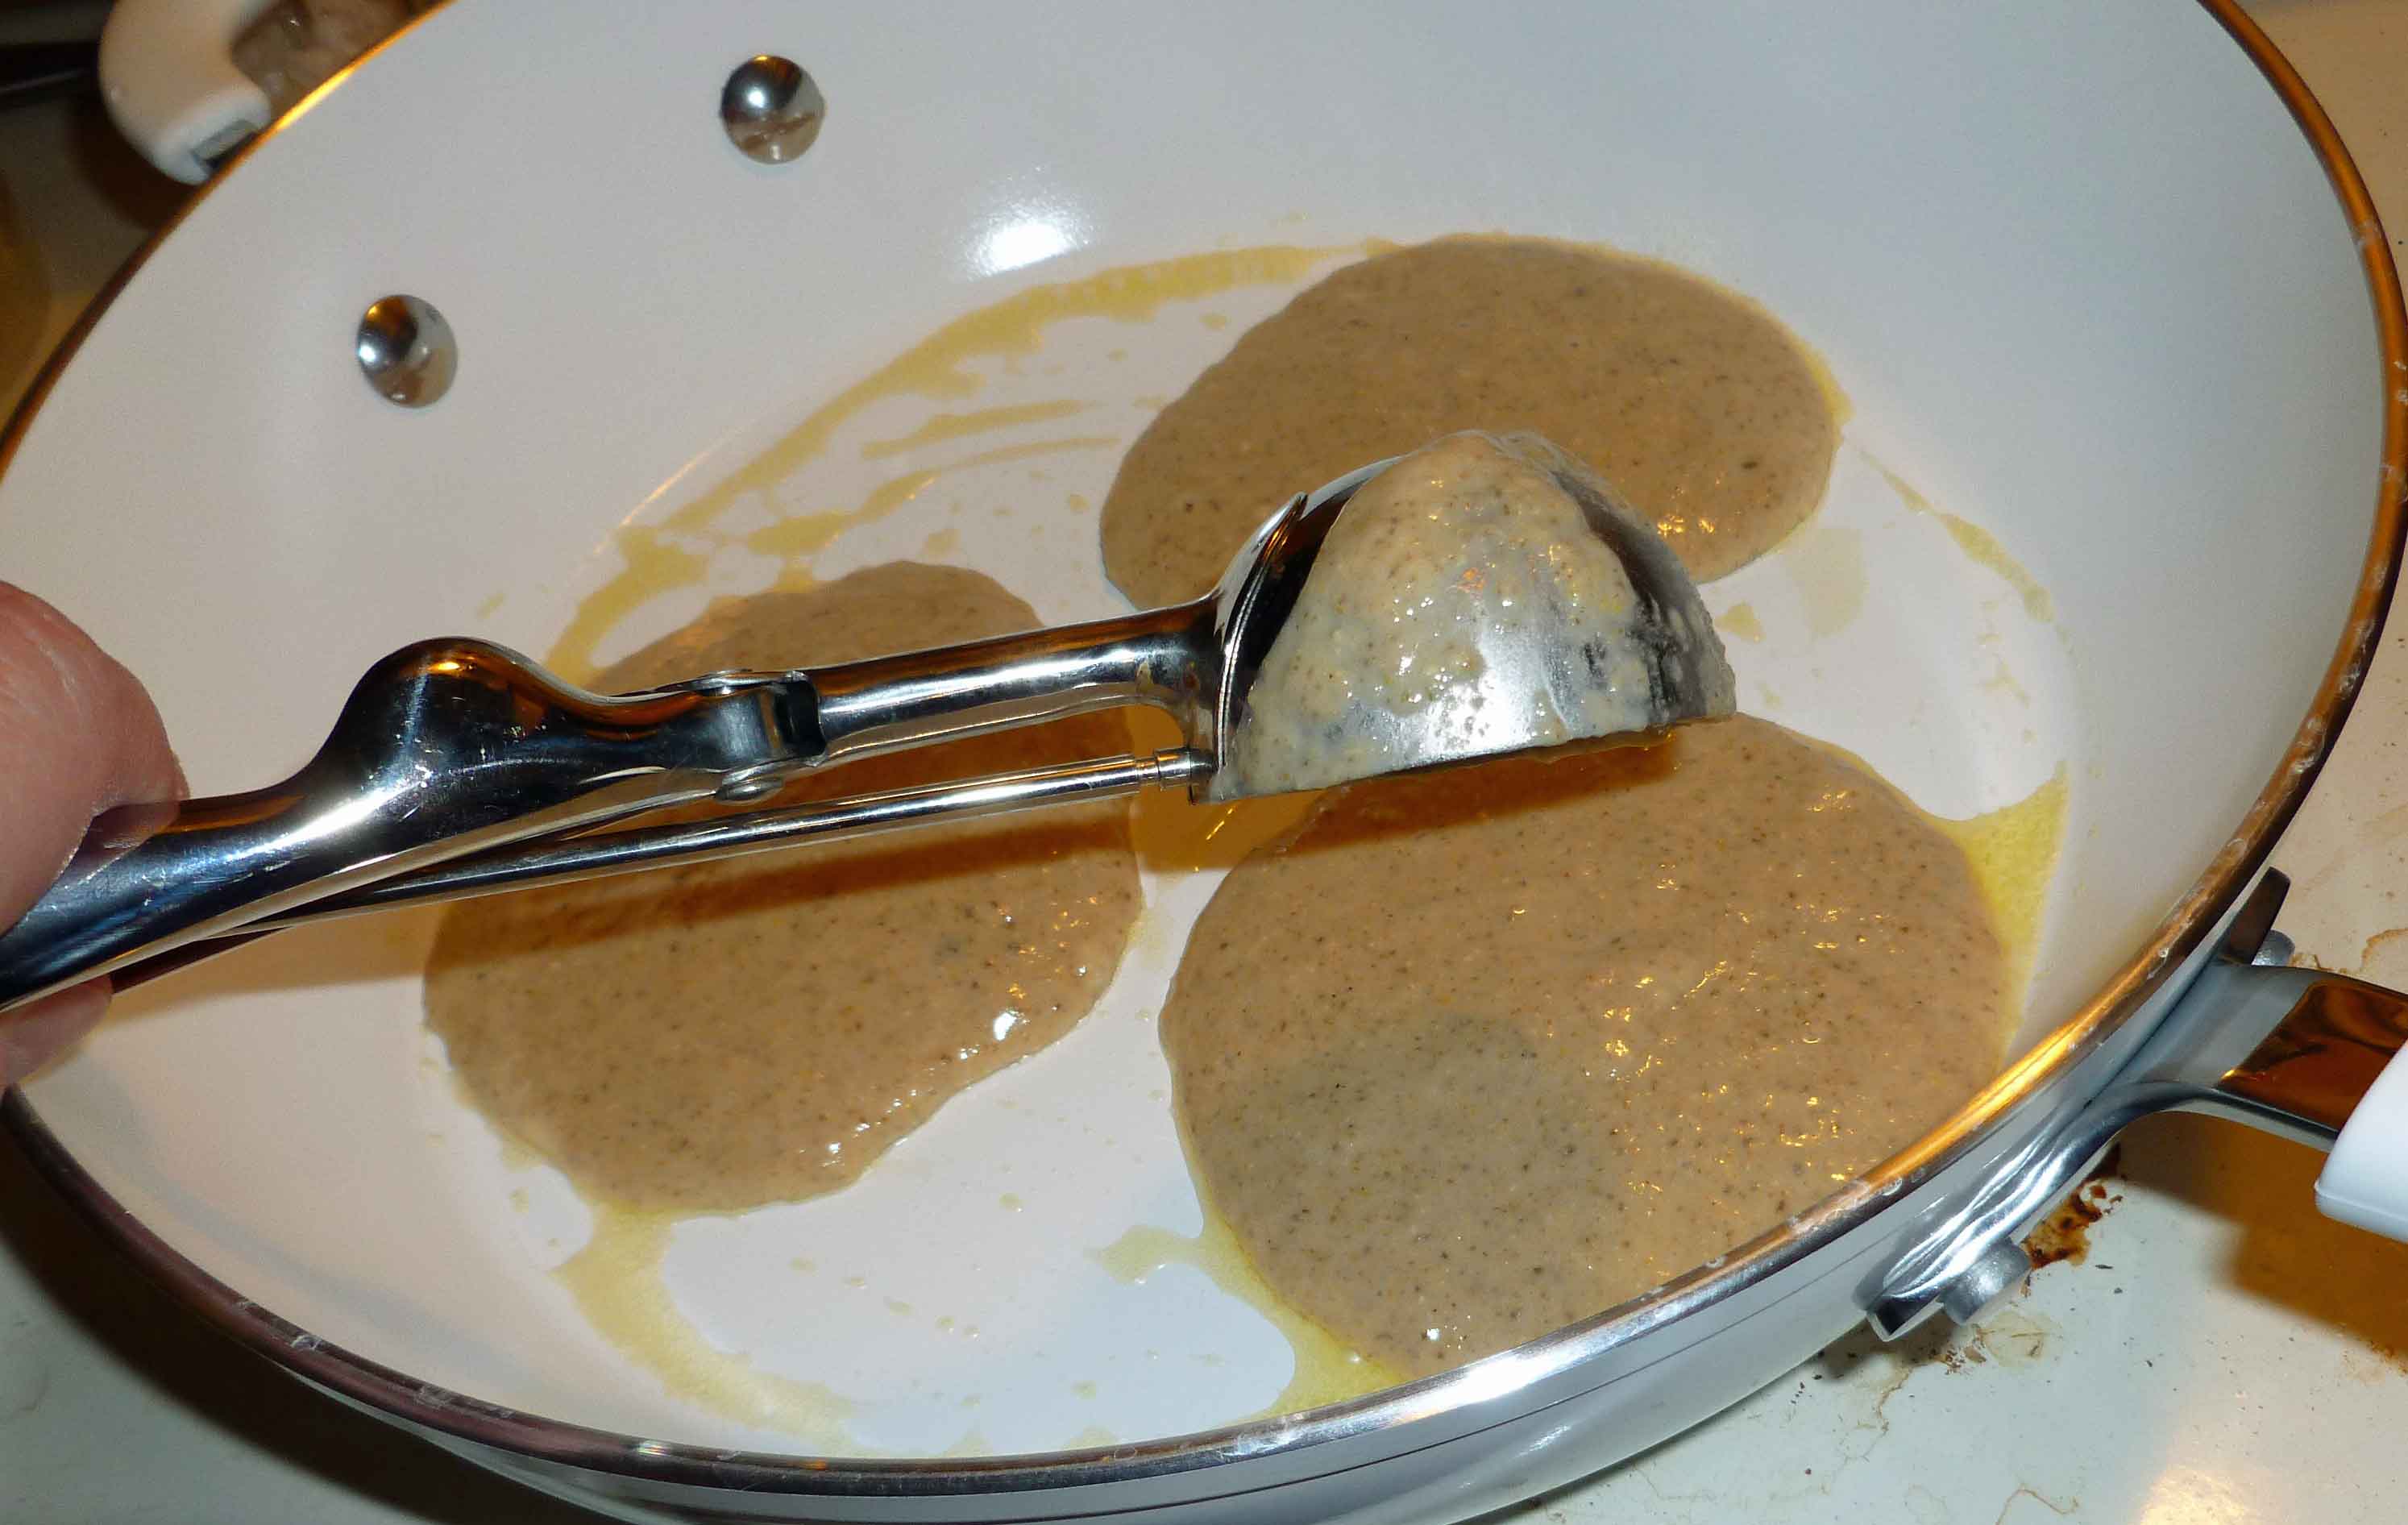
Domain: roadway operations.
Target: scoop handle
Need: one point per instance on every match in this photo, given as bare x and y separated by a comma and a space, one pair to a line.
444, 748
449, 748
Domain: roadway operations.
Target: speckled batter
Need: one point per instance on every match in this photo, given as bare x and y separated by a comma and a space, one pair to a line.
760, 1029
1465, 605
1479, 1054
1699, 406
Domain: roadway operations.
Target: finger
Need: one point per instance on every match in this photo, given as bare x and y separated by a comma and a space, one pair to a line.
35, 1035
77, 735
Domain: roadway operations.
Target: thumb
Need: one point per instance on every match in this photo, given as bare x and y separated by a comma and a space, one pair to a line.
77, 735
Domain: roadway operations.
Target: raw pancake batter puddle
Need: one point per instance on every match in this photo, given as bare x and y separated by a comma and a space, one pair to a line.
1479, 1054
759, 1030
1696, 404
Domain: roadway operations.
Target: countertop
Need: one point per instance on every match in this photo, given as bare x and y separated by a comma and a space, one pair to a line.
2219, 1354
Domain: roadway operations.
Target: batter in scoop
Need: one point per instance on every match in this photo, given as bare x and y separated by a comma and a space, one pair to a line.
760, 1029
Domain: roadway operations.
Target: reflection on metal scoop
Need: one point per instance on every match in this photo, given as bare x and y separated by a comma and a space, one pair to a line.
1483, 595
1545, 613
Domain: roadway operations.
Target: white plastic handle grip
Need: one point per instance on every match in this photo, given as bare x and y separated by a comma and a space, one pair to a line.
167, 73
2365, 1180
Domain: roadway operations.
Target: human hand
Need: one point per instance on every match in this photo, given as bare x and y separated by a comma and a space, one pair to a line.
77, 735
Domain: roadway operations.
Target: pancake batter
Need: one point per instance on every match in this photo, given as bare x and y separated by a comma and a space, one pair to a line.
759, 1030
1479, 1054
1695, 403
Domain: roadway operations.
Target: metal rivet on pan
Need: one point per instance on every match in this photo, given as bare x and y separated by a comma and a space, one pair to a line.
405, 350
772, 108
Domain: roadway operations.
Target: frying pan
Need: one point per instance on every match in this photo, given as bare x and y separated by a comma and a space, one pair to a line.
2118, 504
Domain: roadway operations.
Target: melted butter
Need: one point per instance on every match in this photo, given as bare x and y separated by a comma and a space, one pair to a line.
1907, 492
1980, 546
650, 564
1827, 562
619, 1286
1983, 548
797, 536
1326, 1369
2013, 852
938, 369
1740, 622
942, 428
1172, 833
2004, 680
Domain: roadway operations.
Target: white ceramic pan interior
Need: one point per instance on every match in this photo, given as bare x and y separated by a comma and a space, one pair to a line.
2079, 276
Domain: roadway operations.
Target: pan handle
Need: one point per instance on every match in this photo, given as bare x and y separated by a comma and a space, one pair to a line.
2297, 1052
168, 75
2365, 1183
2328, 1075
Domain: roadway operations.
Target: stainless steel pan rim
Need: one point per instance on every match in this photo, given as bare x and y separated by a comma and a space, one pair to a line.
461, 1419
